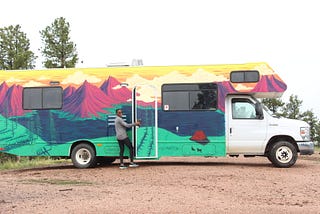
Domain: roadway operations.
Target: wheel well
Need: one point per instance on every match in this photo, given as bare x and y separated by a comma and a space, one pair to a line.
278, 138
79, 142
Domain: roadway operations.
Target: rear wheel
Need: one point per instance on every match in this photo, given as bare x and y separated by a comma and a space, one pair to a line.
283, 154
83, 156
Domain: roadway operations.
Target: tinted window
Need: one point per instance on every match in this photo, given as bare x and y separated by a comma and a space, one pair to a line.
185, 97
42, 98
176, 100
244, 76
32, 98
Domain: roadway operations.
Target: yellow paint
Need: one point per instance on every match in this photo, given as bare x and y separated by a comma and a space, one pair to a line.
142, 75
148, 74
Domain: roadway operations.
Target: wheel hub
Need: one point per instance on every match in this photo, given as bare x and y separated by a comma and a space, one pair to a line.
284, 154
83, 156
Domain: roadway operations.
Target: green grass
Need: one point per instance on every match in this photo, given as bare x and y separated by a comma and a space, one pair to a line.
26, 163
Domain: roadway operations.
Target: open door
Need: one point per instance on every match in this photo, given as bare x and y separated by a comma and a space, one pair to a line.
145, 108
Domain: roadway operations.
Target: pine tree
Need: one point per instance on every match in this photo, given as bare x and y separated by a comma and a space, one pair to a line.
58, 50
292, 109
15, 50
273, 105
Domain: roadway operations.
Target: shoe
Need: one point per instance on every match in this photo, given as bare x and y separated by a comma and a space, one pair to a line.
133, 165
122, 167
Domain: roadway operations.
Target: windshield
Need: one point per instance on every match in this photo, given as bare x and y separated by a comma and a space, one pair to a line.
267, 110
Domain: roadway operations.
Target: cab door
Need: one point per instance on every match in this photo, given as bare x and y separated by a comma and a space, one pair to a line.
246, 131
145, 109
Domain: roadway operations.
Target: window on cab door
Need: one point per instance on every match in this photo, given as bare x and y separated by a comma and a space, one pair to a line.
189, 97
243, 109
37, 98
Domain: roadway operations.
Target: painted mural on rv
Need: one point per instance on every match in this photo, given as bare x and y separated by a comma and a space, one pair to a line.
90, 97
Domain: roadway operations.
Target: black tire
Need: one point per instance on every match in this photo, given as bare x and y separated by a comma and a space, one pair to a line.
283, 154
83, 156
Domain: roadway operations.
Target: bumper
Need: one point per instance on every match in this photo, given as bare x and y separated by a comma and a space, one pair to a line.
306, 148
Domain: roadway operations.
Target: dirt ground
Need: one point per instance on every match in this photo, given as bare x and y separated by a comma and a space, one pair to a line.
169, 185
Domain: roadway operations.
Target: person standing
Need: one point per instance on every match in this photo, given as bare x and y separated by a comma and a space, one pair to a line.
123, 139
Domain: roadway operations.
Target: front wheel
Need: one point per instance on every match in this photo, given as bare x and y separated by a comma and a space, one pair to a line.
83, 156
283, 154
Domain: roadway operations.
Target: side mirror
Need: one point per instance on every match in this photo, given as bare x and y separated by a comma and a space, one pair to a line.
259, 111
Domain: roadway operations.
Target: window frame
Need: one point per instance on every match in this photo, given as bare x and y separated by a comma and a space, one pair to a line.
25, 89
234, 111
245, 74
186, 85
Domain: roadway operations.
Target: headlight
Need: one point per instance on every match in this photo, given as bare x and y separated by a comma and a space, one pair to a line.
305, 133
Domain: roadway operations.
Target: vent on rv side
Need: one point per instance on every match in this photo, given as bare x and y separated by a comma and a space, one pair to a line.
244, 76
54, 83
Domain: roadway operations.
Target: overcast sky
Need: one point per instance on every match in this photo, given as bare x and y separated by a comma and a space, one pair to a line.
283, 33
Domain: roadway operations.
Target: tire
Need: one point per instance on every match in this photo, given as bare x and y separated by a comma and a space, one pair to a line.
83, 156
283, 154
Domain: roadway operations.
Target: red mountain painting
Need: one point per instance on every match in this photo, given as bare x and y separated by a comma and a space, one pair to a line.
224, 88
269, 84
68, 91
84, 102
3, 90
111, 87
12, 102
87, 101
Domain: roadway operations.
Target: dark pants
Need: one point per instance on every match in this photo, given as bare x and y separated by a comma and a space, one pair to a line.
126, 142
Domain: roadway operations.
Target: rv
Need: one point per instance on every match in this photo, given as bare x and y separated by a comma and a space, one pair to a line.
194, 110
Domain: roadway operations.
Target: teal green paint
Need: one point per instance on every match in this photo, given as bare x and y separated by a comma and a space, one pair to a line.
170, 144
16, 139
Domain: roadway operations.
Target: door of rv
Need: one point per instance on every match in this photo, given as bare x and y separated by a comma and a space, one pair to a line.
144, 108
246, 131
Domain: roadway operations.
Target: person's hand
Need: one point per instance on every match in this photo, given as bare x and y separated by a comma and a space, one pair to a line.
138, 123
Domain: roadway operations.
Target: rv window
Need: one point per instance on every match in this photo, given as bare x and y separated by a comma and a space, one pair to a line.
32, 98
244, 76
176, 100
243, 109
37, 98
189, 97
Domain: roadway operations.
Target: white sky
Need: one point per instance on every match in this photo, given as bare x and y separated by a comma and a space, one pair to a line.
283, 33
